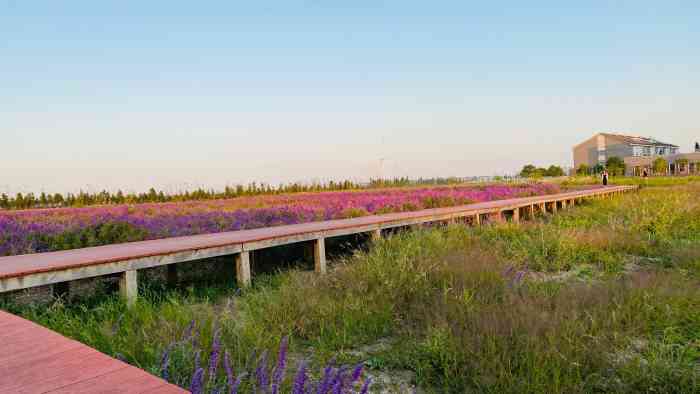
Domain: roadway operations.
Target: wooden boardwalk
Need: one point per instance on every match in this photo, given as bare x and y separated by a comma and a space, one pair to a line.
37, 360
26, 271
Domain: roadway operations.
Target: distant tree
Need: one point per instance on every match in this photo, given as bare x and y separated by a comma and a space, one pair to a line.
528, 171
598, 168
660, 166
615, 165
58, 198
554, 171
583, 169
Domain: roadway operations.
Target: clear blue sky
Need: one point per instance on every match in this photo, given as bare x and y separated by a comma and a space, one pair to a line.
172, 93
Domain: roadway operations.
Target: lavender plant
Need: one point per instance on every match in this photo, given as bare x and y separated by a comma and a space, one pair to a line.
334, 379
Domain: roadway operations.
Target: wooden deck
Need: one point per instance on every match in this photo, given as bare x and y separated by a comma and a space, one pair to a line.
37, 360
26, 271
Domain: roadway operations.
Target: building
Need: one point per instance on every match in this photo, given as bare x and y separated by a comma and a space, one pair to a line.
638, 153
602, 146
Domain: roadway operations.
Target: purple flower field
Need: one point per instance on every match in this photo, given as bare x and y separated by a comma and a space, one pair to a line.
35, 231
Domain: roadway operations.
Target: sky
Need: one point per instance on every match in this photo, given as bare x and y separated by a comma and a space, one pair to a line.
179, 94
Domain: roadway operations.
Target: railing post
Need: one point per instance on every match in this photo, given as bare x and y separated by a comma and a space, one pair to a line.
243, 268
128, 286
320, 255
172, 275
376, 235
477, 219
516, 215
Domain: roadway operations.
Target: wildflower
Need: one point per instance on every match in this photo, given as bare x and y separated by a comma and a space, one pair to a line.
189, 331
278, 375
325, 384
228, 369
365, 387
237, 383
197, 384
165, 363
300, 379
214, 356
261, 372
356, 373
197, 356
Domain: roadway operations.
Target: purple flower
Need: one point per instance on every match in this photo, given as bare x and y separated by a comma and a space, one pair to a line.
356, 373
508, 271
278, 375
326, 380
229, 369
214, 356
197, 384
165, 364
365, 387
261, 373
339, 379
237, 383
300, 379
197, 362
189, 331
338, 387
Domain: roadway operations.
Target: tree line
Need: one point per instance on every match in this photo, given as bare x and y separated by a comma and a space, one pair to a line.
614, 165
531, 171
82, 199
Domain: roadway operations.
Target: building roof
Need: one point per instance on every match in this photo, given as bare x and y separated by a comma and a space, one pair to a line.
636, 140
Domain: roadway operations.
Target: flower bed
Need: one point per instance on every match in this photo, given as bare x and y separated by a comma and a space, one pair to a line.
35, 231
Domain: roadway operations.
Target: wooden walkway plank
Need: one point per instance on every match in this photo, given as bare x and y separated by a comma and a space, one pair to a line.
35, 359
121, 381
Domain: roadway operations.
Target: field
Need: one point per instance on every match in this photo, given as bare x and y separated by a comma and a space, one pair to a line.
33, 231
604, 297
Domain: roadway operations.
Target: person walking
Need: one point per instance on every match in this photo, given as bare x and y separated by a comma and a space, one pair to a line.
605, 176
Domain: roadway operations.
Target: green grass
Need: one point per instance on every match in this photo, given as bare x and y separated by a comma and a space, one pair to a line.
610, 303
656, 181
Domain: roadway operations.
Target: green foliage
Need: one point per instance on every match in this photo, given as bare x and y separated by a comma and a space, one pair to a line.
660, 166
583, 169
615, 166
530, 171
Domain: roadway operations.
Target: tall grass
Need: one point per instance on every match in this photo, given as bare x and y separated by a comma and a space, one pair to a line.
604, 297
